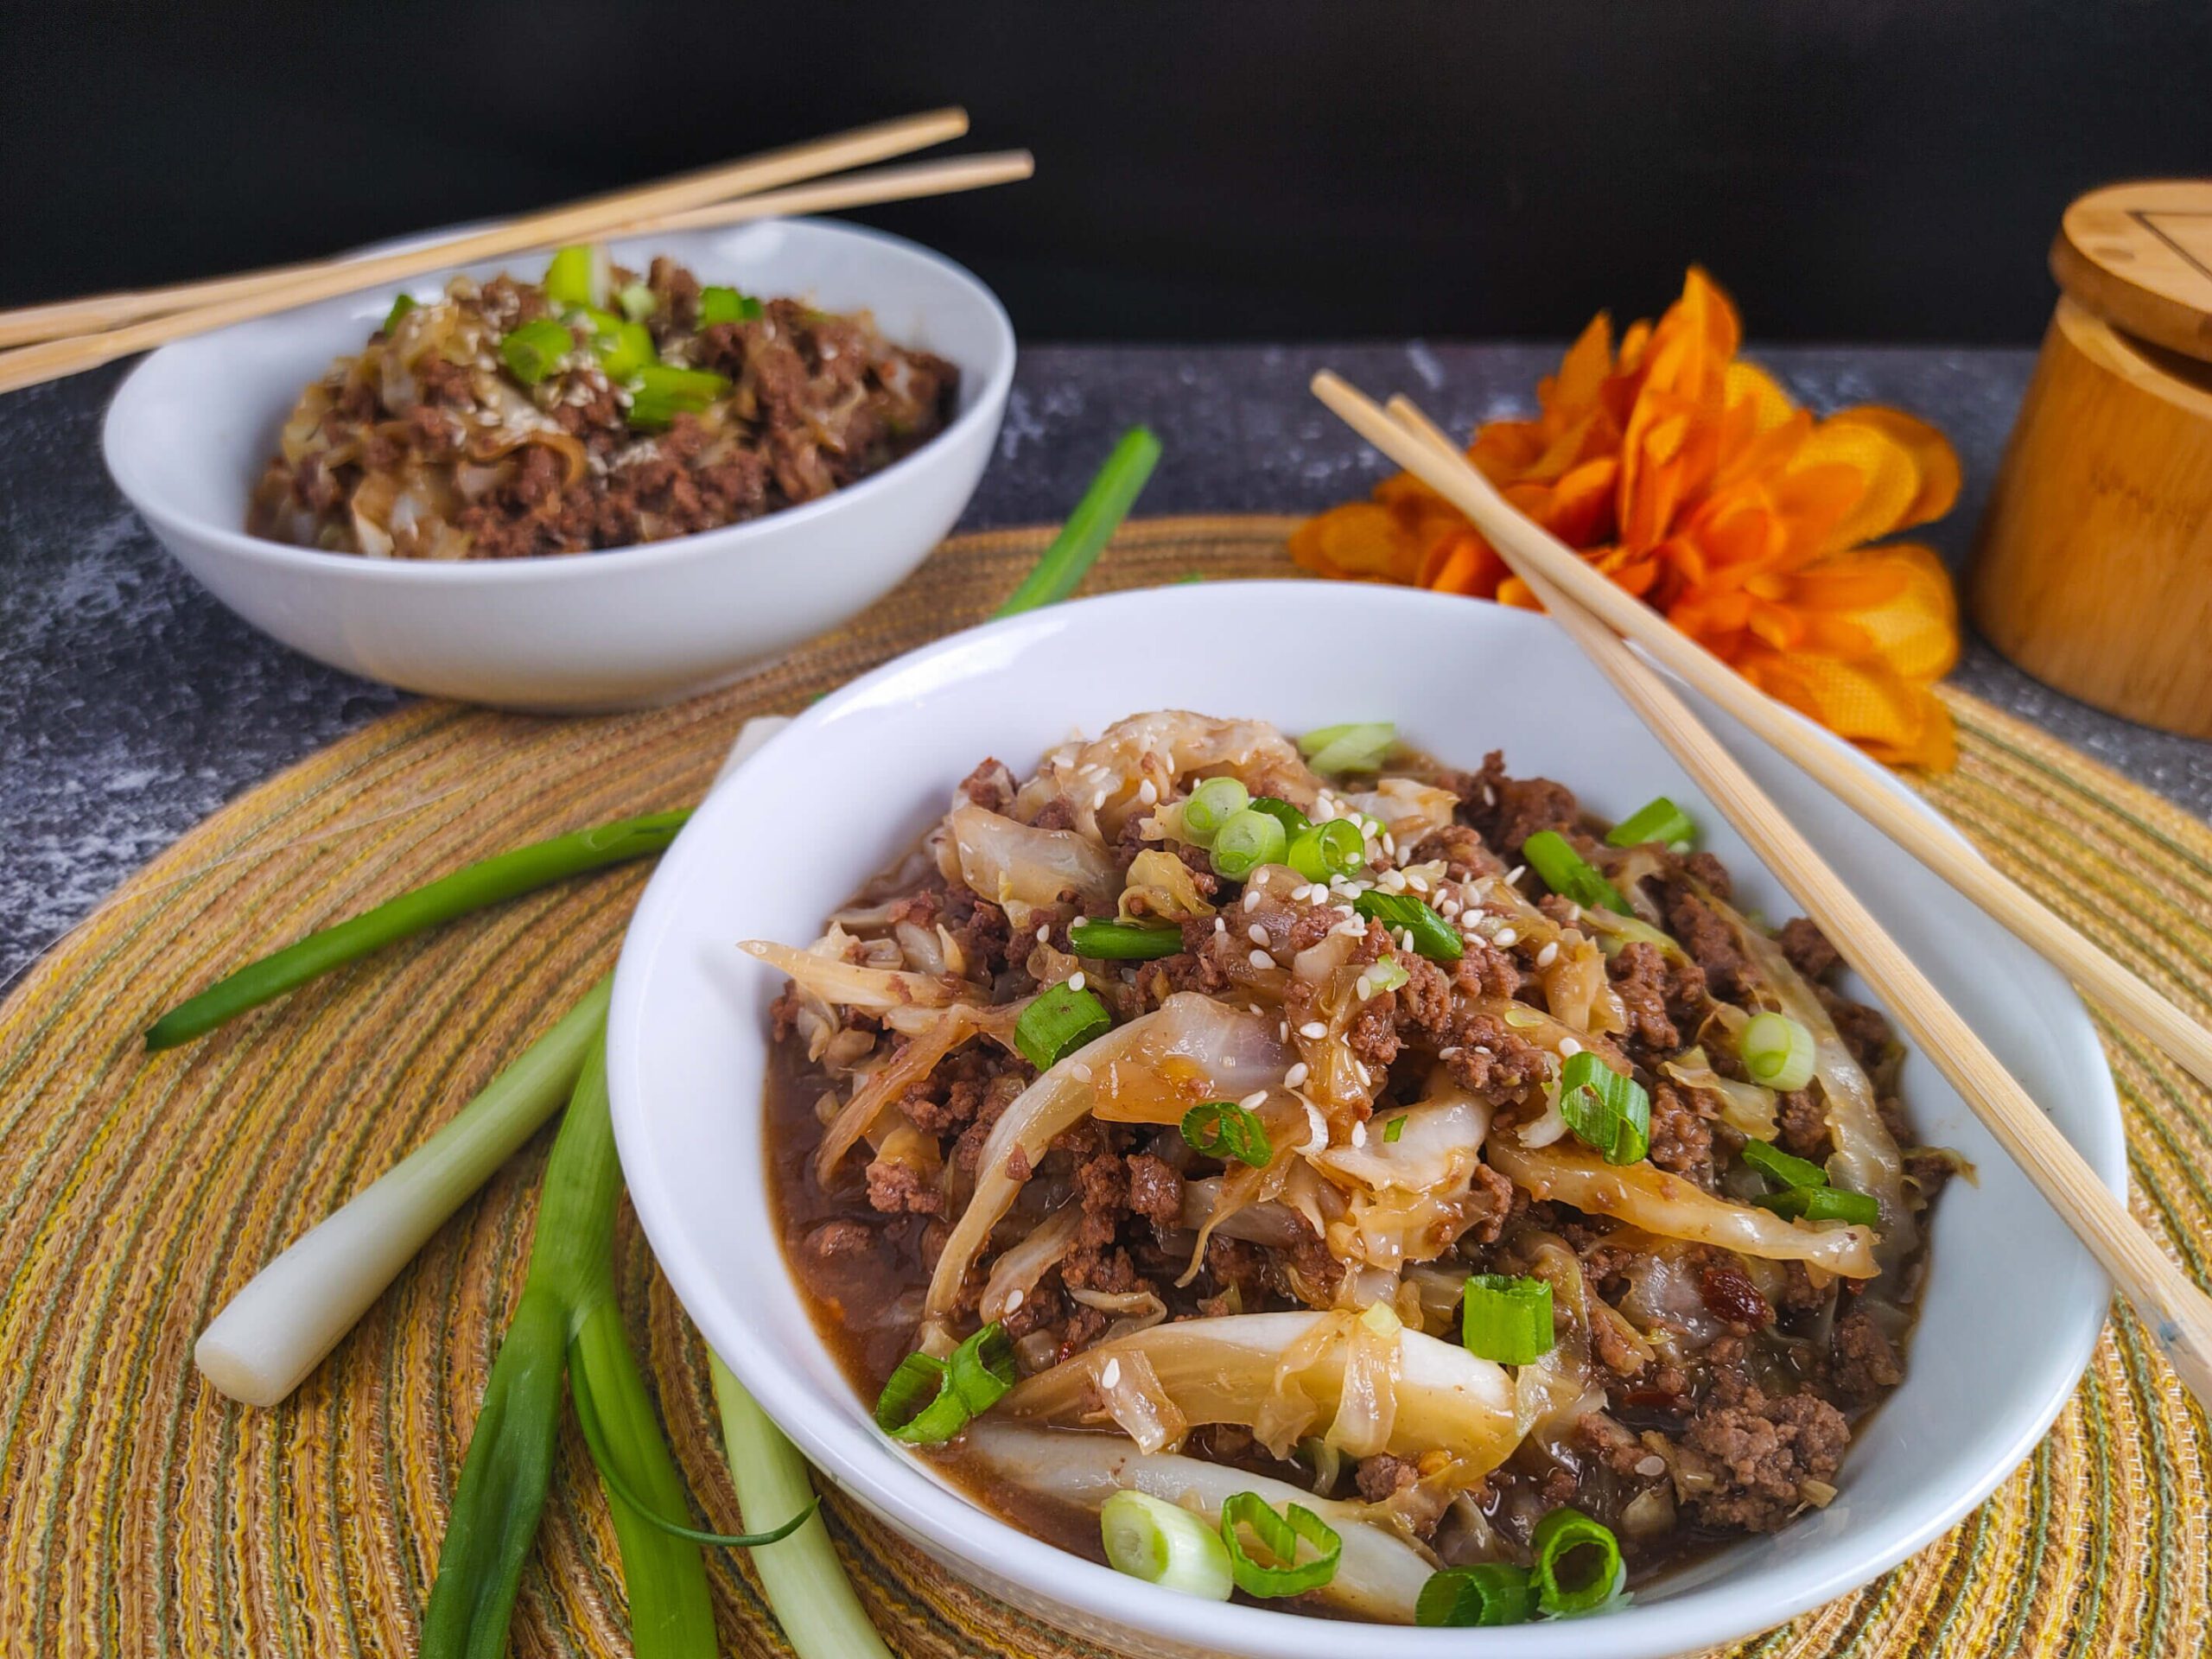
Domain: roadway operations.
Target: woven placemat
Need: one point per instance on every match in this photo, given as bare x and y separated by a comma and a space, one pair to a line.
140, 1513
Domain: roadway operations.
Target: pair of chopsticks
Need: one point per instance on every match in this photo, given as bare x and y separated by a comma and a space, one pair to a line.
72, 335
1590, 608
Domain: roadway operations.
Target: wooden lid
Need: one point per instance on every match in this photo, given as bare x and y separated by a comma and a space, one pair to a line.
2139, 255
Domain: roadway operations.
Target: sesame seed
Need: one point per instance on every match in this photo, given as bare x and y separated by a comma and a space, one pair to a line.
1014, 1299
1366, 1079
1262, 959
1044, 932
1548, 955
1220, 926
1504, 937
1295, 1076
1365, 988
1418, 883
1359, 1134
1568, 1048
1447, 1053
1313, 1030
1253, 1102
1080, 1072
1098, 800
1147, 792
1490, 796
1075, 981
1257, 934
1251, 897
1654, 1464
1516, 873
1110, 1374
1283, 1031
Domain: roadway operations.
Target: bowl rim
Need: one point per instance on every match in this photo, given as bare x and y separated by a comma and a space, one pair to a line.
982, 407
888, 1482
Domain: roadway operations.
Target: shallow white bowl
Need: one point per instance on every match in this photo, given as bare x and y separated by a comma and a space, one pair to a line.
191, 430
2014, 1304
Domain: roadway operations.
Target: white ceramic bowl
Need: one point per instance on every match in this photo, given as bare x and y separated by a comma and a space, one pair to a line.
191, 430
2014, 1304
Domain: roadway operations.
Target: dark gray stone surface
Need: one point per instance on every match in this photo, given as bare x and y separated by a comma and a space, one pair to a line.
132, 705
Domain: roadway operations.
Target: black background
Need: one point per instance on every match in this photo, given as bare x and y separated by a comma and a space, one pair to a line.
1882, 170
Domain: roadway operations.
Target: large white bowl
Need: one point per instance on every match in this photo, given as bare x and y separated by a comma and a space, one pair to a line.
2014, 1304
191, 430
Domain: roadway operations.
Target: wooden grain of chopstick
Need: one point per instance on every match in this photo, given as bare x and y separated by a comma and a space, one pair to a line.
2177, 1313
911, 182
265, 292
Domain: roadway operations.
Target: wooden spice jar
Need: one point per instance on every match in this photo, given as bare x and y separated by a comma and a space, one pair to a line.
2094, 570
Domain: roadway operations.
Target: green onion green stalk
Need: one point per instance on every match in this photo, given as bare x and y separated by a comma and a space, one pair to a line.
472, 887
1091, 527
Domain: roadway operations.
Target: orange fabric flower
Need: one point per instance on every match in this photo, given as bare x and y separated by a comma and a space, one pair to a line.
1688, 476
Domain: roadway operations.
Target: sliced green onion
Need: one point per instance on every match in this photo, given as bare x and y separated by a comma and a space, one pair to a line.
1321, 852
1222, 1128
400, 307
1393, 1130
537, 349
1770, 1160
1058, 1023
725, 305
1124, 941
1567, 873
578, 276
471, 888
1245, 841
625, 349
1358, 747
1293, 822
1433, 936
1608, 1112
1212, 804
1164, 1543
1777, 1051
1489, 1592
637, 301
1657, 819
1506, 1319
1091, 527
1386, 975
928, 1400
661, 393
1824, 1204
1568, 1577
1281, 1572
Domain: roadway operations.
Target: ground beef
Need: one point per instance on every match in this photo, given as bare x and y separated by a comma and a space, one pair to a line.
1758, 1453
990, 786
1865, 1031
899, 1189
1711, 943
1801, 1124
1424, 1001
1807, 948
1639, 975
1505, 811
1155, 1190
1487, 1054
1382, 1475
1486, 971
1864, 1363
981, 930
1463, 851
1681, 1140
834, 1238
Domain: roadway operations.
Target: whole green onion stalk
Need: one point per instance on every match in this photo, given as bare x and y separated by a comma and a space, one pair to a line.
473, 887
569, 1321
1089, 527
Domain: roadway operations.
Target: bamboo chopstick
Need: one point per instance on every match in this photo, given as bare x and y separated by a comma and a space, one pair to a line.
1521, 541
2177, 1313
51, 359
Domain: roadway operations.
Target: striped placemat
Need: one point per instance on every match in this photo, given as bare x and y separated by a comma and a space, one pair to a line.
142, 1514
